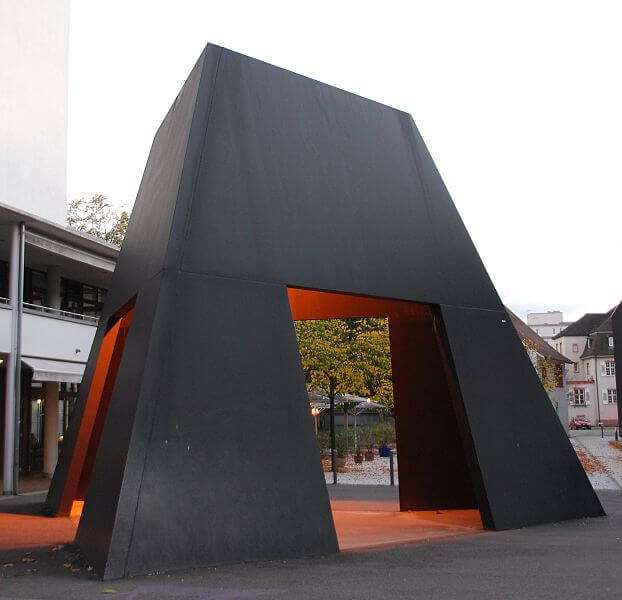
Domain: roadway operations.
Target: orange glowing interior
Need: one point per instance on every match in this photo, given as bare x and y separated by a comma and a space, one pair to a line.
94, 416
312, 304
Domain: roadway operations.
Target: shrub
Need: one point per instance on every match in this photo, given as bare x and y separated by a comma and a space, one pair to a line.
323, 441
383, 433
343, 442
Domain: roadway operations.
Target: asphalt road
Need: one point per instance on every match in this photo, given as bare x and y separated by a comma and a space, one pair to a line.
577, 559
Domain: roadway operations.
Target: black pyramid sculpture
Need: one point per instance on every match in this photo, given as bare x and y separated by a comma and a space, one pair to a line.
269, 197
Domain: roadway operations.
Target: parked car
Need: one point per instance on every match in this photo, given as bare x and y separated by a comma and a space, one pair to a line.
580, 422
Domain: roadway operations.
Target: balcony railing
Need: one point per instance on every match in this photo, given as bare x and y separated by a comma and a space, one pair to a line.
55, 313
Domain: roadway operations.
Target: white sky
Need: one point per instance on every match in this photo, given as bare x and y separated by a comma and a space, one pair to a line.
519, 103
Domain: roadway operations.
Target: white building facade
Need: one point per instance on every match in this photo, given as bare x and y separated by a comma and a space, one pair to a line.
547, 324
53, 280
34, 39
591, 388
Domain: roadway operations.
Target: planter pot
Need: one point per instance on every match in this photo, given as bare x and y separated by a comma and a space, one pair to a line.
358, 458
384, 451
340, 462
369, 455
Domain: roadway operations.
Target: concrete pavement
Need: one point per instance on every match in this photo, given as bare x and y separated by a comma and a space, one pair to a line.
577, 559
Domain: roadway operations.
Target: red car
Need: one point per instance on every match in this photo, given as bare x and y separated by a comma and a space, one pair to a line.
580, 422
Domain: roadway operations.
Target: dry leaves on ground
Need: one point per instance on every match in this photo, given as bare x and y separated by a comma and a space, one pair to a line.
591, 464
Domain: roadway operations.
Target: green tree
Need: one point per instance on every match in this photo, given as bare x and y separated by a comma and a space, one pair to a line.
341, 356
96, 216
116, 234
372, 353
326, 356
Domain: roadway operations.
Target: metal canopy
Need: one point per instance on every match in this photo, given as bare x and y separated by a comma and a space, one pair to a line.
55, 370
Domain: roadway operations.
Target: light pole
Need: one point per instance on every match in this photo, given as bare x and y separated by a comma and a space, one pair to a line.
333, 460
315, 412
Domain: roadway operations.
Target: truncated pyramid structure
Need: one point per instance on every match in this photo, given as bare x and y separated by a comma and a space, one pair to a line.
269, 197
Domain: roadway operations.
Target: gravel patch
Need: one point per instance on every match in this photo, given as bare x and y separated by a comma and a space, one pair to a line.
602, 462
375, 472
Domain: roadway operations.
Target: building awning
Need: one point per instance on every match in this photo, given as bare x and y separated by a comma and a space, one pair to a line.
44, 369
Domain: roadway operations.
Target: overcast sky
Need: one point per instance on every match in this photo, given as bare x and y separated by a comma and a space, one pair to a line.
521, 109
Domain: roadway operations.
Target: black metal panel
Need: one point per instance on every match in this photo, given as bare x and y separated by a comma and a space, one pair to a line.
107, 519
529, 470
152, 224
432, 462
616, 320
258, 179
231, 470
146, 244
306, 184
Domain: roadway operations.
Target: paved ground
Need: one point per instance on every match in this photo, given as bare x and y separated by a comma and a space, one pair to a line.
30, 483
369, 517
601, 458
608, 452
364, 518
577, 559
594, 432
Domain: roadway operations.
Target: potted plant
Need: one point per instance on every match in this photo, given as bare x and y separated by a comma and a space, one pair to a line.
384, 451
367, 441
323, 439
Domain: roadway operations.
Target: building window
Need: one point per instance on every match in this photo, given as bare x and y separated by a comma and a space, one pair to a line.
589, 342
587, 368
553, 330
4, 279
612, 396
609, 367
575, 347
578, 396
35, 287
611, 341
575, 367
80, 298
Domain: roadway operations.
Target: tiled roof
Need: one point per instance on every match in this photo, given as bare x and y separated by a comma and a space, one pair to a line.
583, 327
599, 345
526, 333
606, 326
599, 338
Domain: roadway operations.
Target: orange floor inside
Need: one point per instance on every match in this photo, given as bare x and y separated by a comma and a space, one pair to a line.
360, 524
364, 524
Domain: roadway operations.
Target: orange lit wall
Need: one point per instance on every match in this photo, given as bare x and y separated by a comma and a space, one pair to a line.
311, 304
94, 416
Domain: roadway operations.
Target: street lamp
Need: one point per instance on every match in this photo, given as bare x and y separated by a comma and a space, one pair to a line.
315, 412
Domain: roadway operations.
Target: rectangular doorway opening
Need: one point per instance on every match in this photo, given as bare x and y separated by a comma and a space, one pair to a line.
398, 361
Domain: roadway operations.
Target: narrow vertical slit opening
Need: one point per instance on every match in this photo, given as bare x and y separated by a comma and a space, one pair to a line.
96, 409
